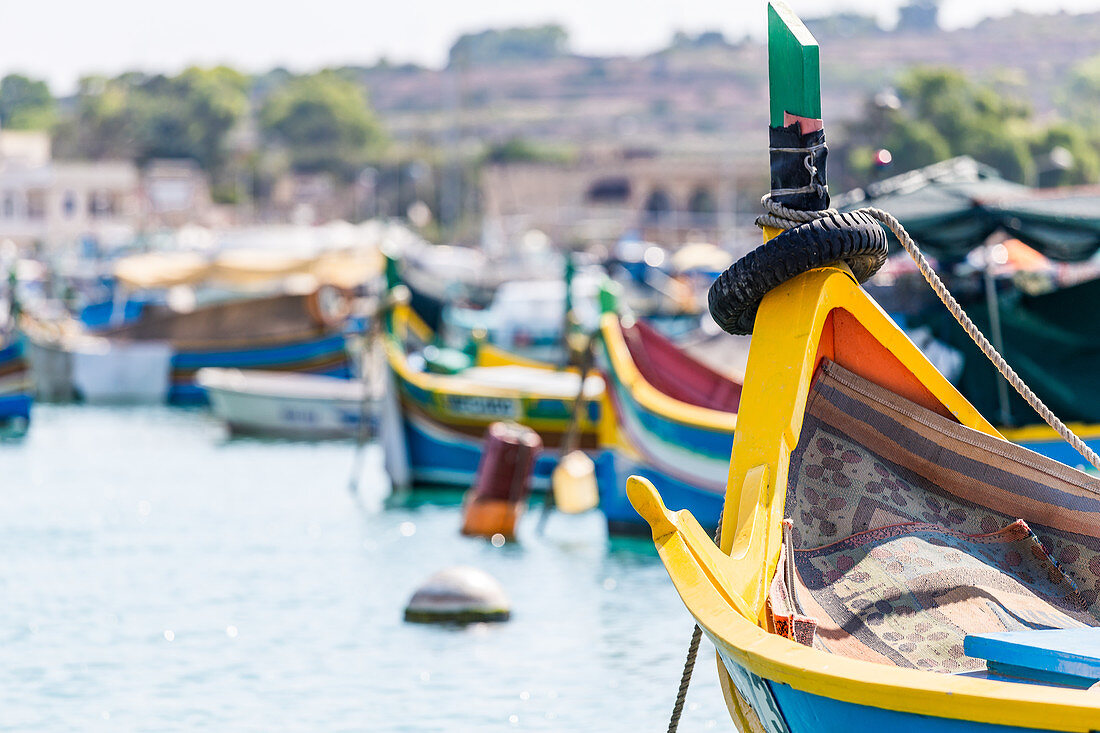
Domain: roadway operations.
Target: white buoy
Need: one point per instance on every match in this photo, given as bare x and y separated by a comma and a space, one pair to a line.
458, 595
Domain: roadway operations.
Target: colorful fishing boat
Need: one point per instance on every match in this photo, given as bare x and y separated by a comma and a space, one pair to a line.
15, 390
156, 358
668, 418
887, 561
448, 400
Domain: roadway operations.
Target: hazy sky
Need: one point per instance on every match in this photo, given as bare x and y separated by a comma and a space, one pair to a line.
64, 39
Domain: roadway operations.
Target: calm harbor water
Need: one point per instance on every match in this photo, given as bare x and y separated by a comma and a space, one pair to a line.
157, 576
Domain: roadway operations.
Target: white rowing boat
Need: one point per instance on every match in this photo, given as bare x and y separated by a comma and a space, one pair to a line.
290, 405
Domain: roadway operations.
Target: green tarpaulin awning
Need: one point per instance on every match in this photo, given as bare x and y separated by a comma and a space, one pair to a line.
1051, 340
952, 207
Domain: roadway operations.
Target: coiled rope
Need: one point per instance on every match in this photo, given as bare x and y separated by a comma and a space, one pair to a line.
778, 216
784, 217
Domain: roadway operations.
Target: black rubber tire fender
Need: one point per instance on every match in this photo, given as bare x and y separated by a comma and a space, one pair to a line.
854, 239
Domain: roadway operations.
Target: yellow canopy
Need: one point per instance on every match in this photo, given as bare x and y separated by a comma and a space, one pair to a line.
246, 268
161, 270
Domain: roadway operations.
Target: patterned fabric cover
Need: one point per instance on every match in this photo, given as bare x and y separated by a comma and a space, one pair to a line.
910, 511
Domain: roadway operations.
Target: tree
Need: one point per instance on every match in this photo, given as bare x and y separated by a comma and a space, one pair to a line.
325, 123
918, 143
500, 46
189, 115
143, 117
1083, 162
102, 125
939, 113
519, 150
25, 104
683, 41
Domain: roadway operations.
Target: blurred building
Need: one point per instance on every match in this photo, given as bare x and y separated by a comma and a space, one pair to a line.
175, 192
661, 199
310, 198
54, 203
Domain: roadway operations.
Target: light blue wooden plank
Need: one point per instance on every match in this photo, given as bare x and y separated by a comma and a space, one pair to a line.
1073, 652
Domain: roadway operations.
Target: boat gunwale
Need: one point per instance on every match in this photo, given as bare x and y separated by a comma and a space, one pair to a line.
778, 659
440, 386
626, 372
790, 330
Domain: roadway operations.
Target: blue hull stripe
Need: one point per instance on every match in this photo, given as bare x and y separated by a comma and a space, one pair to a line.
16, 405
783, 709
452, 459
300, 351
612, 471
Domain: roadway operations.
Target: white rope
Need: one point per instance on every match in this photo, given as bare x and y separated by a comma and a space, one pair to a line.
779, 216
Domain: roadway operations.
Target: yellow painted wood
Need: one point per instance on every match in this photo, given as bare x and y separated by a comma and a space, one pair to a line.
405, 321
725, 590
702, 576
771, 233
1030, 433
777, 381
489, 355
649, 396
443, 385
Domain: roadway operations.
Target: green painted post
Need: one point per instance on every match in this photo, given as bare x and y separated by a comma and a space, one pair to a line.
393, 277
794, 74
609, 296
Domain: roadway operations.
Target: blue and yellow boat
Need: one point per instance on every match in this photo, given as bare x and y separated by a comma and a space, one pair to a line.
448, 400
667, 417
887, 560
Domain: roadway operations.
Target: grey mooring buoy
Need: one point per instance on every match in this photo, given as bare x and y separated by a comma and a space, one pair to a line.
458, 595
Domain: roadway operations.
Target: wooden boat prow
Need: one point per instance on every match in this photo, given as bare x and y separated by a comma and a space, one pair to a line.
911, 520
821, 314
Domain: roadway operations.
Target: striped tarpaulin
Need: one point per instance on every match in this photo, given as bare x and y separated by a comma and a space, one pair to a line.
919, 506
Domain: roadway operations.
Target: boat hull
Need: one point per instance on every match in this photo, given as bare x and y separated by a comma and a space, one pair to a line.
293, 406
770, 681
446, 458
614, 468
780, 708
680, 447
106, 371
15, 391
441, 420
324, 355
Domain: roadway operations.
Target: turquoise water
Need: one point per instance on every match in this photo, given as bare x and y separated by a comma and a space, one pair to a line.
157, 576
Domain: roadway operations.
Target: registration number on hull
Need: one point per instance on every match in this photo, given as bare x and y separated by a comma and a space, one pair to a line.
491, 407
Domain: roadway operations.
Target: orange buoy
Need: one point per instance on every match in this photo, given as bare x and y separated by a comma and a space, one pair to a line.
503, 482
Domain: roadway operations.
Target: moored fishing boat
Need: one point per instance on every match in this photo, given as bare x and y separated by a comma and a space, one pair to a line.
669, 418
887, 561
156, 358
290, 405
444, 416
15, 390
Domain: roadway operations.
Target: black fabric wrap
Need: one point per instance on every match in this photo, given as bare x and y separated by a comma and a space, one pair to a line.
788, 169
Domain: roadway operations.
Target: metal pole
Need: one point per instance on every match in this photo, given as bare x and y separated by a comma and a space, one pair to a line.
995, 331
